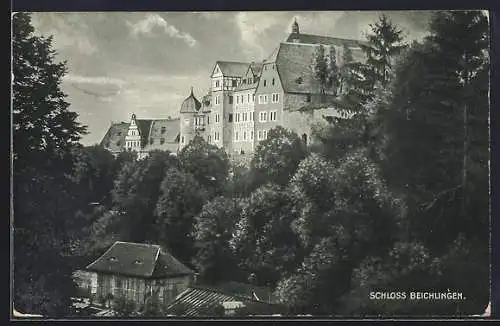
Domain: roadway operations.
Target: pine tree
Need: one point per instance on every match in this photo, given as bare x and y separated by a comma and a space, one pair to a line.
385, 42
321, 68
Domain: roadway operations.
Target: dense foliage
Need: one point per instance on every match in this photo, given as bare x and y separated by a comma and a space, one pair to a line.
394, 198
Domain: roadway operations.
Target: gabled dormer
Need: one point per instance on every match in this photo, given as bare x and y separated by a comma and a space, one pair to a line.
226, 75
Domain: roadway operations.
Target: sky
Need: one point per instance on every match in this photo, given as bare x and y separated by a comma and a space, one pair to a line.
145, 63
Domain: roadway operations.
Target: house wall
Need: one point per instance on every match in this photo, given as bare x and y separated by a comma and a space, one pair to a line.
139, 289
243, 122
263, 107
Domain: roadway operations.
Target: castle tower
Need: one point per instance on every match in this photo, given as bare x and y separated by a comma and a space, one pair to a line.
190, 119
295, 37
133, 138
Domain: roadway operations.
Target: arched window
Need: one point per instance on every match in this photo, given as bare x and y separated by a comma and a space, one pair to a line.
304, 139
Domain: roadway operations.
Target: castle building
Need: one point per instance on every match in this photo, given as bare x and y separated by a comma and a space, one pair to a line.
245, 100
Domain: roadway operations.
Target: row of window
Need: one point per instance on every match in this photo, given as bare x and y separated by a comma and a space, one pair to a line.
241, 99
272, 82
233, 83
263, 116
275, 98
133, 143
244, 135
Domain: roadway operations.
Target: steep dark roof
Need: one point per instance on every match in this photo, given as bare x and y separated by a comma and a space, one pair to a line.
114, 139
168, 129
197, 299
325, 40
140, 260
233, 69
144, 126
190, 104
294, 63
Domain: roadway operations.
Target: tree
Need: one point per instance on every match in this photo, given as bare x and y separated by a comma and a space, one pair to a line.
93, 173
207, 163
385, 42
136, 193
181, 199
333, 80
44, 132
263, 239
276, 158
347, 59
364, 87
338, 227
44, 128
326, 70
213, 229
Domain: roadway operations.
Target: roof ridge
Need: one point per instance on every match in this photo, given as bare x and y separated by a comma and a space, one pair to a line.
335, 37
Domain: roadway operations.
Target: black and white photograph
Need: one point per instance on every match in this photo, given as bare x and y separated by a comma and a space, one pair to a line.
248, 164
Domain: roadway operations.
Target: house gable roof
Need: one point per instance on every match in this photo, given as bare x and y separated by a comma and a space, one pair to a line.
232, 68
114, 139
139, 260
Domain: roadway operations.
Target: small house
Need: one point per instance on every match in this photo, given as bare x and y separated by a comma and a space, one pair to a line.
136, 272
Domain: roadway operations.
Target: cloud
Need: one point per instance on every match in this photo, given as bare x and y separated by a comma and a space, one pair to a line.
69, 31
252, 27
147, 26
100, 80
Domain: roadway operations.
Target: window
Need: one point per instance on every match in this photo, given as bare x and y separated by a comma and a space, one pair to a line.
263, 116
237, 117
163, 129
151, 141
234, 82
259, 135
245, 116
118, 143
253, 98
216, 83
230, 99
308, 98
242, 99
216, 136
275, 98
264, 134
248, 98
217, 117
273, 79
217, 99
208, 119
237, 99
236, 136
162, 140
244, 135
265, 83
253, 116
251, 135
209, 138
272, 116
230, 119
